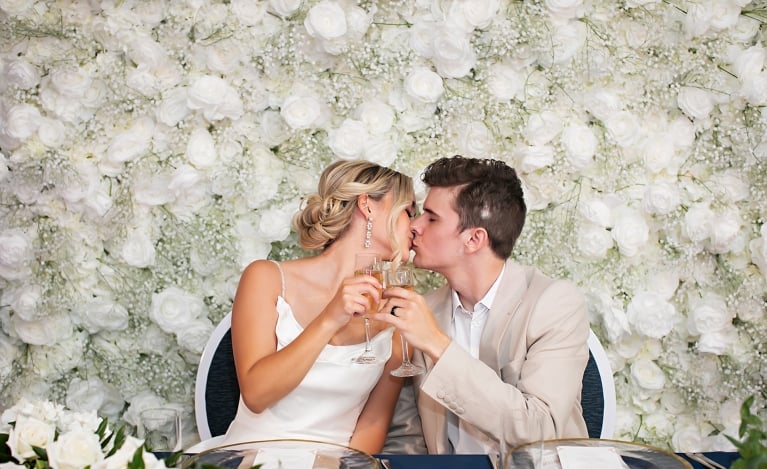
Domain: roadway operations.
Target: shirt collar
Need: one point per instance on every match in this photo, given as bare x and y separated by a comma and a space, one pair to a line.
486, 301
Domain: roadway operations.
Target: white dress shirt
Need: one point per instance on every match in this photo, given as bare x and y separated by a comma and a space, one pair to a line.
466, 331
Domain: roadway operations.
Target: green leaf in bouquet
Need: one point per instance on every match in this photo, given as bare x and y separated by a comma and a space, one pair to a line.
41, 453
119, 439
5, 450
752, 441
138, 459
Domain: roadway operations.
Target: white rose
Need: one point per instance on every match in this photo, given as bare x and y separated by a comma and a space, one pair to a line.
274, 223
70, 82
9, 351
152, 190
201, 149
698, 222
93, 395
51, 132
758, 247
505, 82
123, 456
602, 103
475, 140
725, 232
15, 7
421, 37
21, 74
745, 29
22, 121
594, 241
754, 90
630, 232
301, 112
698, 19
695, 102
661, 198
718, 342
74, 450
326, 19
381, 150
224, 56
138, 249
651, 315
750, 62
102, 314
708, 314
195, 335
131, 143
567, 41
683, 131
424, 85
470, 15
285, 8
348, 140
190, 191
273, 128
16, 253
29, 432
542, 127
658, 154
580, 145
624, 128
173, 309
59, 359
248, 12
215, 97
724, 14
453, 54
24, 300
646, 374
534, 157
173, 108
597, 211
378, 117
564, 9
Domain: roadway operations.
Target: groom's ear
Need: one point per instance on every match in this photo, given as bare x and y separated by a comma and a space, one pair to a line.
476, 240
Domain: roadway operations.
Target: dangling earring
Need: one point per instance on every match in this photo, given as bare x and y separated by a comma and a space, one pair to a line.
368, 230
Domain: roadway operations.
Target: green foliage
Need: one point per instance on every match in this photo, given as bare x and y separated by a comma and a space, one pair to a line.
752, 441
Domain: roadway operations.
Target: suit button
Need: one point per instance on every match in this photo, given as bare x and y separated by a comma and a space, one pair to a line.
441, 394
459, 410
452, 406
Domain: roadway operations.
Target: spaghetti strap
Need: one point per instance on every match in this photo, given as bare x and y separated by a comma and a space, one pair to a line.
282, 277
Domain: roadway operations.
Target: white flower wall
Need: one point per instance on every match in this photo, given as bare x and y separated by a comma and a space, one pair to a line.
150, 149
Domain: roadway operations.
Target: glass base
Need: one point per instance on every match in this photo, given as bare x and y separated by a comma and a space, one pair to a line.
366, 358
408, 369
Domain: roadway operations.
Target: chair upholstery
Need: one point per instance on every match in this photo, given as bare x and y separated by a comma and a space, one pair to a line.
217, 392
598, 393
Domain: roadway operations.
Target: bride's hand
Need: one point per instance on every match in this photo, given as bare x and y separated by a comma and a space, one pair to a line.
353, 299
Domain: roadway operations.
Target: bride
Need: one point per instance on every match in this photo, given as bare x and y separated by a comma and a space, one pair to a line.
297, 325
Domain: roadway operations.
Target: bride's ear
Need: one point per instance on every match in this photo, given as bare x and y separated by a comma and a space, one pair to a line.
363, 205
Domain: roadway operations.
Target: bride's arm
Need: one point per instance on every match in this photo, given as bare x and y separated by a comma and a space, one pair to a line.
266, 375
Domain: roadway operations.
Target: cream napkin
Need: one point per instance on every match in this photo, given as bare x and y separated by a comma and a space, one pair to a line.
285, 458
585, 457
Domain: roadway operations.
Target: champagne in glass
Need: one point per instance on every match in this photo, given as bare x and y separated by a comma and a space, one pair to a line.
368, 263
402, 276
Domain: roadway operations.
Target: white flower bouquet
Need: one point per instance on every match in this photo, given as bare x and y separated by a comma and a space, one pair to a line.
44, 435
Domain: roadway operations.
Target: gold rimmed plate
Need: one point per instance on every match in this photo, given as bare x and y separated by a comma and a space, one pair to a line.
298, 454
634, 455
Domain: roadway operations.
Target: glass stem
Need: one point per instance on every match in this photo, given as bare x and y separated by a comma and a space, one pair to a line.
368, 347
405, 358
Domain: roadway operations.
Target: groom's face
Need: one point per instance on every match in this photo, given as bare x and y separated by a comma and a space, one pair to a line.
437, 242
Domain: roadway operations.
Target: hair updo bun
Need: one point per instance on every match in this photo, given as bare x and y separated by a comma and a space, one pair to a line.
327, 213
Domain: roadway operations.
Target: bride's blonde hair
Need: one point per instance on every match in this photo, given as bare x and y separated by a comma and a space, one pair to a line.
326, 215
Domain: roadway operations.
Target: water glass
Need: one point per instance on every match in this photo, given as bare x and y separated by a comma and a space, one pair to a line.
160, 428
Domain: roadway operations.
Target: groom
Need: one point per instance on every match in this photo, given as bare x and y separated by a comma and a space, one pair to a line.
499, 338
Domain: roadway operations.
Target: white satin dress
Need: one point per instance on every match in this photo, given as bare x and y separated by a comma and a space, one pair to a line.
326, 404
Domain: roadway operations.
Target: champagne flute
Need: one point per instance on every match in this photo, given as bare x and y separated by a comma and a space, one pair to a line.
368, 263
402, 276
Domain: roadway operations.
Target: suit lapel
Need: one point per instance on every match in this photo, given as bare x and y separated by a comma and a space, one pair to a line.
510, 293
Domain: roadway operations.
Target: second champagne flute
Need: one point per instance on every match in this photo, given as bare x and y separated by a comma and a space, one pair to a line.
402, 276
368, 263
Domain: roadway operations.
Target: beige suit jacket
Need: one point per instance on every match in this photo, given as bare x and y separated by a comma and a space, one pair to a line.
535, 341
